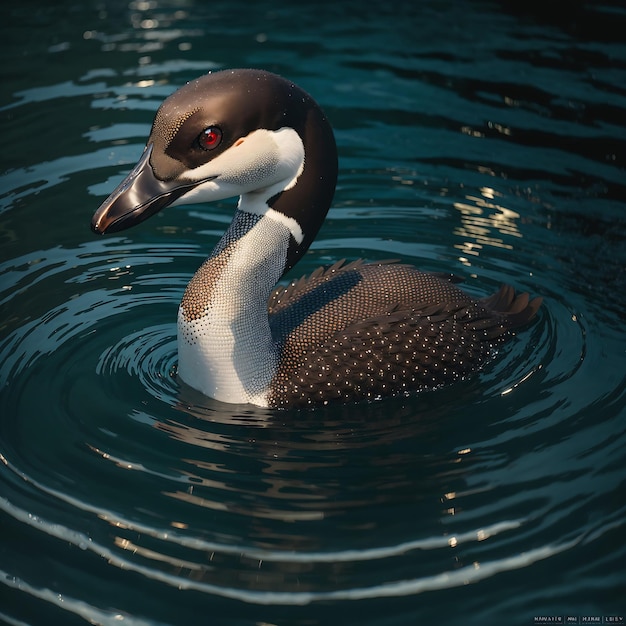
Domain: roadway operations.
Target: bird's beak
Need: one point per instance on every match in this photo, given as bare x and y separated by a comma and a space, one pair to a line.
139, 196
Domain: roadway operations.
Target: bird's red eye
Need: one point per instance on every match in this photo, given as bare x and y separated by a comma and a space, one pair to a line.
210, 138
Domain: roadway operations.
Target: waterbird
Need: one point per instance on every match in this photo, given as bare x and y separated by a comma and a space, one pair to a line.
350, 332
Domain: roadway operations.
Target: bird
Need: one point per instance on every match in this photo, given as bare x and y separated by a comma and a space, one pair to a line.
350, 332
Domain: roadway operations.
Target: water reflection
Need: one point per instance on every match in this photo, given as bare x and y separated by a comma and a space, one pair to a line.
254, 491
295, 462
481, 217
148, 29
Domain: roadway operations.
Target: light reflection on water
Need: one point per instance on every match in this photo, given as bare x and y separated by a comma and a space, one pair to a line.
127, 497
479, 218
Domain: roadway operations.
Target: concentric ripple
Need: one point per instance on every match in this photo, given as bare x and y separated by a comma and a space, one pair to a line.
126, 497
153, 480
149, 355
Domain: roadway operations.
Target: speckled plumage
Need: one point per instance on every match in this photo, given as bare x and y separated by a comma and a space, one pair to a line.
361, 331
197, 297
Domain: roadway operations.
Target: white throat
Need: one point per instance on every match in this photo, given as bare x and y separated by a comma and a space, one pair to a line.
225, 346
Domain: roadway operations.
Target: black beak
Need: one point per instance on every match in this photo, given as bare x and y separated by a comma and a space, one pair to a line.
139, 196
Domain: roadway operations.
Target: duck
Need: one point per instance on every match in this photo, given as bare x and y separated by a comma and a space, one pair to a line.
353, 331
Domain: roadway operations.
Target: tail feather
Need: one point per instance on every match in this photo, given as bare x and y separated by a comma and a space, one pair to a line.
516, 309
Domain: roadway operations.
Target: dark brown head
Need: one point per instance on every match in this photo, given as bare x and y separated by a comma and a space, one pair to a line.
245, 133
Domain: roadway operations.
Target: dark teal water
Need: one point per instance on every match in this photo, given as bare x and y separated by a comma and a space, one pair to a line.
473, 138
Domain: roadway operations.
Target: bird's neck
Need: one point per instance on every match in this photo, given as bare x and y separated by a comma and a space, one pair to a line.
224, 340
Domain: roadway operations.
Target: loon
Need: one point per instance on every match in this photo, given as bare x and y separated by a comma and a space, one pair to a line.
349, 332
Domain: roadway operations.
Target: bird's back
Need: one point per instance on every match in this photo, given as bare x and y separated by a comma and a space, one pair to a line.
362, 330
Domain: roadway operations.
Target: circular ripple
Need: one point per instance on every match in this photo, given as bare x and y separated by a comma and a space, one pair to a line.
150, 356
107, 453
128, 497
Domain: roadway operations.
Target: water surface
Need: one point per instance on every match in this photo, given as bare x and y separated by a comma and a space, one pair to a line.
473, 139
